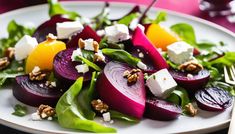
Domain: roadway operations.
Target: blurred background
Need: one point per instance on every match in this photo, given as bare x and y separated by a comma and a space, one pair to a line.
221, 12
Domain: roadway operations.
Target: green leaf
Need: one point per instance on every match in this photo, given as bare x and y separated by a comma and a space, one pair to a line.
88, 55
89, 63
101, 20
182, 95
121, 116
56, 8
126, 20
226, 60
70, 114
185, 32
20, 110
86, 96
160, 17
121, 55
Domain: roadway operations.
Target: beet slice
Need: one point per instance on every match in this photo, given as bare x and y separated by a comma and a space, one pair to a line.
137, 52
198, 81
86, 33
65, 71
35, 93
114, 90
48, 27
213, 99
139, 39
157, 109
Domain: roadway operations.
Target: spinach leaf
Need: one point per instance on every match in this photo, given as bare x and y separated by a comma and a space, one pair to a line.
86, 96
182, 96
70, 114
88, 54
161, 16
102, 20
126, 20
121, 55
185, 32
227, 60
89, 63
55, 8
20, 110
121, 116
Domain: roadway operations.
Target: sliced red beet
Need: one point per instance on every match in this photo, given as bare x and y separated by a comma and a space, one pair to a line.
139, 52
48, 27
213, 99
198, 81
139, 39
64, 69
35, 93
86, 33
161, 110
114, 90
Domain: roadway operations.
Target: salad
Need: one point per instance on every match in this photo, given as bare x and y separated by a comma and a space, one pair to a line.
75, 69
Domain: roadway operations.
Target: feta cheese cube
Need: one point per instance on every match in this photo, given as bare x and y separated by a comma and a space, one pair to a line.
89, 44
141, 65
161, 83
82, 68
24, 47
180, 52
76, 53
117, 33
106, 116
67, 29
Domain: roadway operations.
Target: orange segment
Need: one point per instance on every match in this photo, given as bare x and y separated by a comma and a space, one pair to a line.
44, 54
160, 36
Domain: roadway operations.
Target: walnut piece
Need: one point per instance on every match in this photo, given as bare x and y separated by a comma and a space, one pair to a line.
46, 111
37, 74
190, 109
99, 106
191, 67
9, 53
4, 62
132, 76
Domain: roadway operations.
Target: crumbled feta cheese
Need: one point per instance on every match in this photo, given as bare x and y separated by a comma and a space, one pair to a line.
35, 117
111, 122
89, 44
141, 27
67, 29
141, 55
50, 118
76, 53
82, 68
117, 33
190, 76
99, 56
134, 23
106, 116
141, 65
53, 84
180, 52
24, 47
100, 32
161, 83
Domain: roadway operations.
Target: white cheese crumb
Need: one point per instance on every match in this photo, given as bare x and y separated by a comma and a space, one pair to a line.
141, 27
100, 32
53, 84
190, 76
141, 55
76, 53
82, 68
35, 117
111, 122
141, 65
89, 44
24, 47
134, 24
106, 116
49, 118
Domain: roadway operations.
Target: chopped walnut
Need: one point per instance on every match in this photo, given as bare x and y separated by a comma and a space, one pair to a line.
99, 106
50, 84
190, 109
9, 53
45, 111
82, 43
4, 62
37, 74
132, 76
99, 57
191, 67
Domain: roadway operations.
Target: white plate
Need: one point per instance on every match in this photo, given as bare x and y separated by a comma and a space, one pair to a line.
204, 122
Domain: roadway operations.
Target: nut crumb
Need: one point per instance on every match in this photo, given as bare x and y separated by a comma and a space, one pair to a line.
190, 109
99, 106
4, 63
45, 111
132, 76
9, 53
37, 74
191, 67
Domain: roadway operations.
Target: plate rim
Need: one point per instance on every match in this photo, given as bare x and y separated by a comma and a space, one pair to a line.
221, 125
